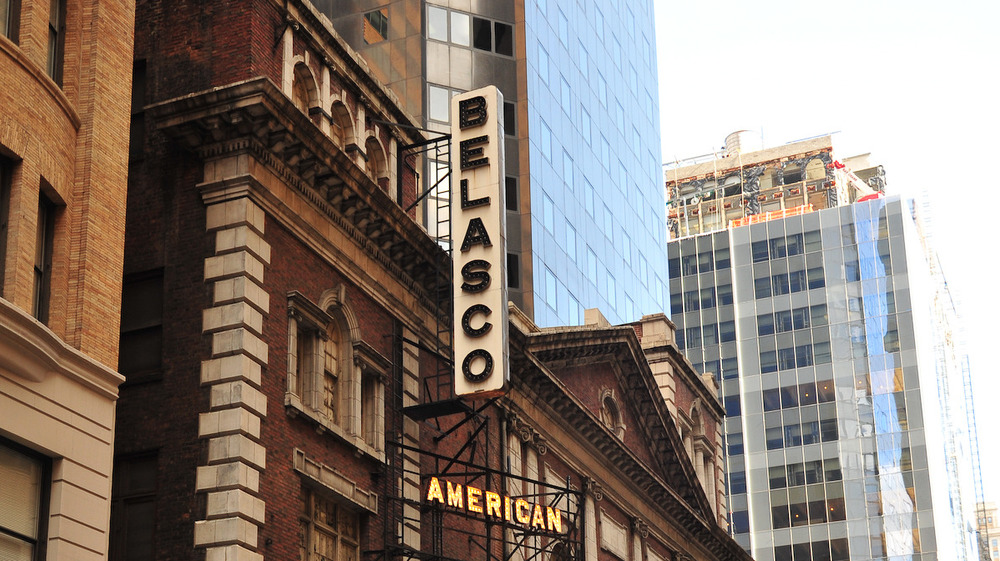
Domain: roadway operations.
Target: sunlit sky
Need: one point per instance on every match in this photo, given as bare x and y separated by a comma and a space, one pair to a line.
914, 83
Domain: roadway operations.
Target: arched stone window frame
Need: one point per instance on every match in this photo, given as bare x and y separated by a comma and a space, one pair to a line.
342, 125
376, 162
334, 379
611, 413
305, 88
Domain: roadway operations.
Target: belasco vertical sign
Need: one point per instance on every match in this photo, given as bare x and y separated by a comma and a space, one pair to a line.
479, 231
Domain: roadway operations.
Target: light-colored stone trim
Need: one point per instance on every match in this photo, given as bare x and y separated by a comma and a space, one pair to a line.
326, 476
231, 427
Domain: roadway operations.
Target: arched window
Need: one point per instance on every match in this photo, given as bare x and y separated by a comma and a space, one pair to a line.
342, 126
304, 94
611, 414
375, 165
335, 379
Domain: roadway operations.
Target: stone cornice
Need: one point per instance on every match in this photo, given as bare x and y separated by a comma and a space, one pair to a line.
31, 351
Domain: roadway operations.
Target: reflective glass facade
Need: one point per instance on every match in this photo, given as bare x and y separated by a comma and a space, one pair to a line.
832, 337
585, 201
597, 201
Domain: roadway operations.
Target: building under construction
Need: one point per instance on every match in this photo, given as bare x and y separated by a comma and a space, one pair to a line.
820, 307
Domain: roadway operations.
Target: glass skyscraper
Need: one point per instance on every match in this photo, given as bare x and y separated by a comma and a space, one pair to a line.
835, 343
585, 201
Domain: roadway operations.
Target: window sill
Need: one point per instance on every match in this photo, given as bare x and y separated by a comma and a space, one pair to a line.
295, 408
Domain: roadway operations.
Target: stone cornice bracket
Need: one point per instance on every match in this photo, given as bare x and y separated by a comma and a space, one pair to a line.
279, 30
594, 489
640, 528
528, 434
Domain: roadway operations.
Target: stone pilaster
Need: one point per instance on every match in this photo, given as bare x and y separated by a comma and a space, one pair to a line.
231, 426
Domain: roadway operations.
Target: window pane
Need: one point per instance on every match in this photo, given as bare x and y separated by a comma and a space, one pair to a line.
21, 492
504, 39
482, 34
460, 28
438, 103
765, 324
437, 23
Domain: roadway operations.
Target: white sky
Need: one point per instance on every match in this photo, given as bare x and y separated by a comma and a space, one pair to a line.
913, 82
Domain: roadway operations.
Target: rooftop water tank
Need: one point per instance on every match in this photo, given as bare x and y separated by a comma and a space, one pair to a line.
742, 142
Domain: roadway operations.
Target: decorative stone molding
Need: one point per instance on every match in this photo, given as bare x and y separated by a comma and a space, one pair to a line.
594, 489
330, 479
527, 434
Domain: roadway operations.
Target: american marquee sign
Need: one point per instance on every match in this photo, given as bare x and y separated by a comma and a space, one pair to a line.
487, 504
480, 255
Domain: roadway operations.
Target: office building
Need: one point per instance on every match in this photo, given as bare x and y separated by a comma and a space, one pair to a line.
63, 142
988, 526
584, 198
821, 308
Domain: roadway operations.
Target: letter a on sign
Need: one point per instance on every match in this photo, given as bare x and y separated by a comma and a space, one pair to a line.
480, 261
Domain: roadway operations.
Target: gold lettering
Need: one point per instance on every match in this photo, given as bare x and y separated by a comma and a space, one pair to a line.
492, 504
434, 491
506, 509
554, 518
473, 499
522, 510
537, 518
454, 495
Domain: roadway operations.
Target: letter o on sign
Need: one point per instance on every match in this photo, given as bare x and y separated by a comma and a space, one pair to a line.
487, 367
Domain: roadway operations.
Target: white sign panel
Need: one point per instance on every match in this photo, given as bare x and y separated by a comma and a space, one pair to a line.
479, 231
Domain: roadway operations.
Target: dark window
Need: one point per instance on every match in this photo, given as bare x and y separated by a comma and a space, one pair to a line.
689, 263
797, 281
810, 432
705, 262
513, 271
141, 350
133, 497
137, 127
44, 241
836, 508
510, 193
57, 39
786, 359
778, 248
828, 430
732, 405
707, 298
783, 321
759, 251
741, 522
780, 284
23, 502
773, 438
789, 397
710, 334
727, 331
804, 357
825, 391
779, 518
821, 353
799, 516
815, 276
776, 477
807, 393
691, 301
679, 336
504, 39
676, 306
793, 435
800, 318
852, 271
10, 18
725, 294
738, 482
734, 444
793, 244
482, 36
839, 550
375, 27
509, 118
762, 287
772, 400
693, 336
765, 324
768, 362
730, 368
796, 474
800, 551
674, 267
783, 552
814, 471
722, 258
6, 170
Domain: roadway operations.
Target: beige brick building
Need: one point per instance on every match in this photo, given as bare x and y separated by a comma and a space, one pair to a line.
65, 70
